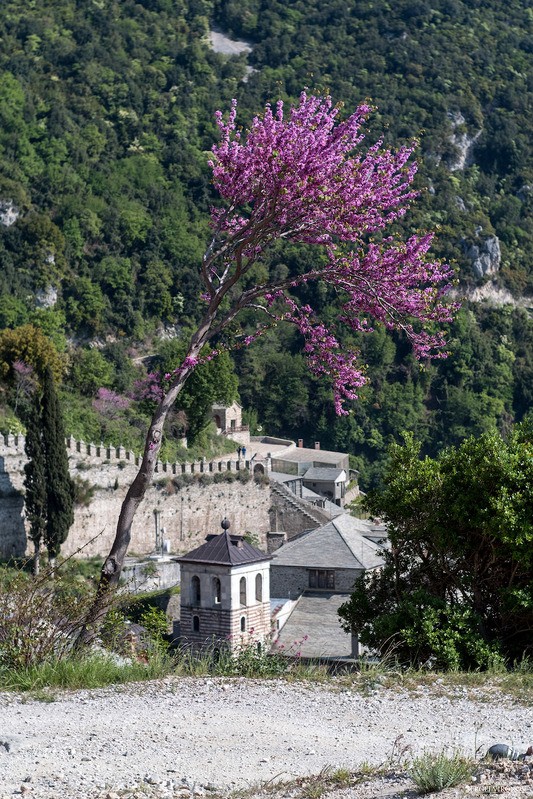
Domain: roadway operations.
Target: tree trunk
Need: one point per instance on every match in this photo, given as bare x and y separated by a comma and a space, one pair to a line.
36, 561
112, 568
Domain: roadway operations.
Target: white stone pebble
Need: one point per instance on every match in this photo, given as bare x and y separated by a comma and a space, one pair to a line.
190, 737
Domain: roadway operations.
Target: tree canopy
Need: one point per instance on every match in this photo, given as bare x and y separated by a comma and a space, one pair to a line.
457, 587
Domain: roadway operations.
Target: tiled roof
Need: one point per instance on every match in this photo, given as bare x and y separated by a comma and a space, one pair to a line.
225, 550
324, 474
339, 544
282, 477
313, 629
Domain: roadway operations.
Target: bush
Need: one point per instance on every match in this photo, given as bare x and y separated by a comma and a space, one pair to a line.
83, 491
244, 476
39, 618
251, 659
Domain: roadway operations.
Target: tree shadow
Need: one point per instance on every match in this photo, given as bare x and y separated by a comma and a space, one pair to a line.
13, 539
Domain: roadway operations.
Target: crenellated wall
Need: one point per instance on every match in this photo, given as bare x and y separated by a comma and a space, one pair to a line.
187, 513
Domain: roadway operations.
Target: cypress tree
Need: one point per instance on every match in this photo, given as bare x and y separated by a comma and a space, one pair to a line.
35, 478
59, 485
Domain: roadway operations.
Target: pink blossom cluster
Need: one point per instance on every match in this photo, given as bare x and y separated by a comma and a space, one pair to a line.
325, 357
109, 403
303, 178
148, 388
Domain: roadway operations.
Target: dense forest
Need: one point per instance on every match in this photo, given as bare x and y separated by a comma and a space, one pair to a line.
106, 119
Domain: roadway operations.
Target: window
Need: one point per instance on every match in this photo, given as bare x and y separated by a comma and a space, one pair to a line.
196, 594
259, 588
243, 624
217, 591
322, 578
195, 624
242, 591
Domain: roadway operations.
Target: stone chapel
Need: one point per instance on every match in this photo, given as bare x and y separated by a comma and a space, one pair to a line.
225, 593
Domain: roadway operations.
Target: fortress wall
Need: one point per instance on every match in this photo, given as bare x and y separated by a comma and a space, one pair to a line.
187, 514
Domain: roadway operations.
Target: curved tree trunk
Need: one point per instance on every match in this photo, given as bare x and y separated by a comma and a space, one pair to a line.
112, 568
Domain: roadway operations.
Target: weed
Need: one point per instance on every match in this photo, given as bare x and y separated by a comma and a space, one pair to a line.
72, 673
342, 777
434, 771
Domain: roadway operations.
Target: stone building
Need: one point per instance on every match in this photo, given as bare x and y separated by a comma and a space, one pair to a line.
225, 593
316, 572
330, 558
228, 420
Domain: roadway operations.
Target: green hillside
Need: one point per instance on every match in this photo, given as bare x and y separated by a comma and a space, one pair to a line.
106, 116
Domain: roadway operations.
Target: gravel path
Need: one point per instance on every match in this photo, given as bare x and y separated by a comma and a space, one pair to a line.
198, 734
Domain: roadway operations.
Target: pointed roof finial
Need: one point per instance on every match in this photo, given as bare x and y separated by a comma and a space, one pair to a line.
225, 524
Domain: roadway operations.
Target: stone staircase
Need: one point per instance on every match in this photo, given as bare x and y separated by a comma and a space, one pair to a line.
314, 515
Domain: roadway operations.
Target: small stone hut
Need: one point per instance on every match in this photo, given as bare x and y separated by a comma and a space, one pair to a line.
225, 593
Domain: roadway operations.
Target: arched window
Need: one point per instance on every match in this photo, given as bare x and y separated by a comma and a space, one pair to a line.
196, 594
217, 591
242, 591
243, 624
195, 624
259, 587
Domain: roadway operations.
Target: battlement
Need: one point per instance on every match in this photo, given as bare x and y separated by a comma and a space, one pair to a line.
98, 455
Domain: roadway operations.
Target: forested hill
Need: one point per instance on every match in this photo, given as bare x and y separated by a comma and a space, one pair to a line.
106, 114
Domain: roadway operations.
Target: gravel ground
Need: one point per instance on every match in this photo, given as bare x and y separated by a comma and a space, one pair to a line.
181, 737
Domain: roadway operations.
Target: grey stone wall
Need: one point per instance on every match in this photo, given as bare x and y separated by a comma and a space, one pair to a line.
187, 514
290, 581
292, 514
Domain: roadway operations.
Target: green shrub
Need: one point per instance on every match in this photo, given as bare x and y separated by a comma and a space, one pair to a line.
155, 621
83, 491
244, 476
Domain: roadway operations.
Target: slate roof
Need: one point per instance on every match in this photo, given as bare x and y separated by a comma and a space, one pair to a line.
224, 550
324, 474
322, 502
282, 477
313, 629
339, 544
307, 455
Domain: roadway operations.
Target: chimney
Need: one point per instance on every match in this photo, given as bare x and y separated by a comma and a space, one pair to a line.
300, 443
317, 444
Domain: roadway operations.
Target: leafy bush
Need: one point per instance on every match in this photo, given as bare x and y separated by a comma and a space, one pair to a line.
155, 621
83, 491
244, 476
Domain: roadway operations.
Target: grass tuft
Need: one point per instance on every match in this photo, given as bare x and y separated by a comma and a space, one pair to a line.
434, 771
72, 673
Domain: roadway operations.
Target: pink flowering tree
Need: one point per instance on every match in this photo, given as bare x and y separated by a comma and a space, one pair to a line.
303, 177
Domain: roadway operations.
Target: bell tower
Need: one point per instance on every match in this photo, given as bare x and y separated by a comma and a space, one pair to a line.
225, 593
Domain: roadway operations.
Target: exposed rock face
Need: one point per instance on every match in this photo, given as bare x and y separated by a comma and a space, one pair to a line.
463, 143
223, 44
9, 213
485, 256
46, 298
